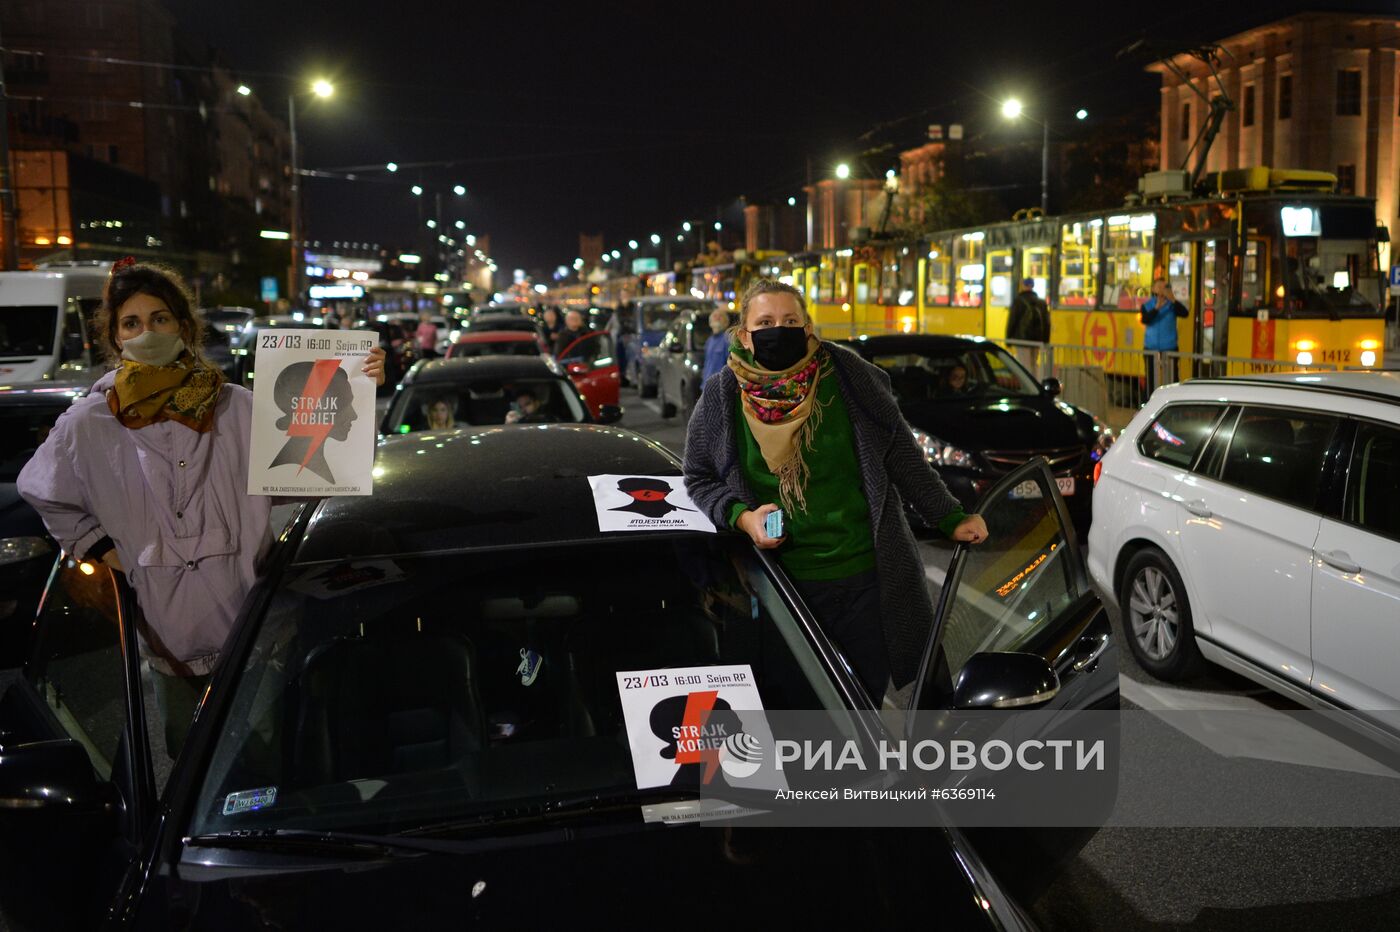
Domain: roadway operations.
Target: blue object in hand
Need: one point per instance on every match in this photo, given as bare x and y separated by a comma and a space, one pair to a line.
773, 524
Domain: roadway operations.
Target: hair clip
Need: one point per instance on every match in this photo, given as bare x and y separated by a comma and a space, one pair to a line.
125, 262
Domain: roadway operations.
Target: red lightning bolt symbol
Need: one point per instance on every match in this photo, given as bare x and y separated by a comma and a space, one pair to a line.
697, 711
316, 384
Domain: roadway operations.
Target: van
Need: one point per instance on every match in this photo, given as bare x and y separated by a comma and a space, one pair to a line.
46, 318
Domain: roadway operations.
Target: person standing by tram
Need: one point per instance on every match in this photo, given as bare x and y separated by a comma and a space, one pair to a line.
1029, 321
1158, 316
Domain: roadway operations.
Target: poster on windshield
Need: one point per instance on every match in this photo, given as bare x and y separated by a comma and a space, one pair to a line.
694, 726
313, 414
645, 503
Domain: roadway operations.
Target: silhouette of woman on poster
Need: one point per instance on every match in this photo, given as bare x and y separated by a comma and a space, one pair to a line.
317, 405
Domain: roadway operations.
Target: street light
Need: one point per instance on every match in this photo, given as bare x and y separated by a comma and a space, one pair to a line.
1081, 114
686, 226
1012, 109
458, 190
392, 166
322, 89
843, 171
632, 244
417, 190
656, 239
461, 224
244, 90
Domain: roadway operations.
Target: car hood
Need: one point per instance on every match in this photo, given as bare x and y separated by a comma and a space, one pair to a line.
686, 876
1010, 423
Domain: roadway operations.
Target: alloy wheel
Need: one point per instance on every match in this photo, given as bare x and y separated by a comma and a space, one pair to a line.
1152, 611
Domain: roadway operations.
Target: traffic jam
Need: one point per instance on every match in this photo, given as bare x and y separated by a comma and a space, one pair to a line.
1009, 571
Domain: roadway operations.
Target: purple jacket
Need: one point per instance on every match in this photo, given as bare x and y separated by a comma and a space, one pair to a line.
174, 502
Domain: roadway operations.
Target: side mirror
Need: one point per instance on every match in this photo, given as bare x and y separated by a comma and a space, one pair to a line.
51, 775
609, 414
1005, 681
1052, 386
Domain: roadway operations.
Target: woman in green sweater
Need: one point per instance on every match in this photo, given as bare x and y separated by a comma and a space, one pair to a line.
810, 428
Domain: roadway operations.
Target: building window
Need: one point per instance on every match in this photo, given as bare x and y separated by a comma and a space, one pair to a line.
1285, 96
1346, 179
1186, 120
1349, 92
1248, 117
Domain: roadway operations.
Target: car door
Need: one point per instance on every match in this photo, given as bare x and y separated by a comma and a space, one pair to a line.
1247, 525
1024, 593
592, 364
1356, 579
76, 785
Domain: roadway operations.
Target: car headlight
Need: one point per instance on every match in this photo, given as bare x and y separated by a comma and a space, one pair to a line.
18, 549
942, 454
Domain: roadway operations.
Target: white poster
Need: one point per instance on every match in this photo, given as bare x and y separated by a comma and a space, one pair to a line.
313, 414
688, 726
645, 503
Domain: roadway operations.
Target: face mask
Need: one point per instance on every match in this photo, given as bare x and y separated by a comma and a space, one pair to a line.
779, 348
153, 349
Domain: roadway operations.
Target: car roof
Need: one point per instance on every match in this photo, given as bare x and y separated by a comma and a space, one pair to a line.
1378, 385
497, 336
686, 302
50, 391
915, 343
464, 369
483, 487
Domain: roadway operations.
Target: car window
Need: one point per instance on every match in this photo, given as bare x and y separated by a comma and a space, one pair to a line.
593, 349
77, 667
27, 330
973, 373
1178, 432
1010, 587
459, 685
22, 429
1371, 501
490, 401
466, 349
1279, 453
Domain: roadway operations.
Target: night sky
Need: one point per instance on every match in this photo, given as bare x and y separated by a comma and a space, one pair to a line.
626, 118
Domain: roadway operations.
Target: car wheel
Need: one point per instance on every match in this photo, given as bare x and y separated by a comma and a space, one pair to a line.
1157, 617
646, 389
668, 410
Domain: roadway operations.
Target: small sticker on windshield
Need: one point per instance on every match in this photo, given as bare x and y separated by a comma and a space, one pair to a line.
249, 800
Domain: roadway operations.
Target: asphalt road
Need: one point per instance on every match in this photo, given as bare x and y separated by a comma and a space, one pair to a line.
1228, 879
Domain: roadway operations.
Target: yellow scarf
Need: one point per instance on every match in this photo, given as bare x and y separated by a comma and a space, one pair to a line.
783, 415
186, 391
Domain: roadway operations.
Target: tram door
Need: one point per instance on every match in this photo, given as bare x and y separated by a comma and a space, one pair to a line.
1181, 275
1213, 321
1000, 292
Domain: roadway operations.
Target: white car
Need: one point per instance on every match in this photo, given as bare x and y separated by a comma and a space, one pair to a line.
1255, 523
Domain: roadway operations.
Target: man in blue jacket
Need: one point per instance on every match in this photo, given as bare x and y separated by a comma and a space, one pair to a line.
717, 346
1158, 316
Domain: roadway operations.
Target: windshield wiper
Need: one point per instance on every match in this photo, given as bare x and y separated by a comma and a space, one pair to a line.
556, 809
319, 842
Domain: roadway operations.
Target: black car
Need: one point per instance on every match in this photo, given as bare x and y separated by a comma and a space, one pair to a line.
978, 414
500, 321
485, 390
27, 412
417, 721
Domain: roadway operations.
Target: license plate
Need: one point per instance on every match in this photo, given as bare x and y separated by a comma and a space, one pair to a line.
1031, 489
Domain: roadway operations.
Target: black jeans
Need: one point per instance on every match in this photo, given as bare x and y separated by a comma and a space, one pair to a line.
848, 611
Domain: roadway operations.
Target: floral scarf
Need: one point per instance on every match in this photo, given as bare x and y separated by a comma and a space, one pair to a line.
783, 415
186, 391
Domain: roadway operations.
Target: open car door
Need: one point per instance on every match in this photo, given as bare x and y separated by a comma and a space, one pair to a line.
1018, 628
592, 364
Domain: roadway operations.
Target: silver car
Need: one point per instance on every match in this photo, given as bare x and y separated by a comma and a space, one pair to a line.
680, 361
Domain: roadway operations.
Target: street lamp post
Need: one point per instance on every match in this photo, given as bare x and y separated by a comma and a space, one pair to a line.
1012, 109
321, 88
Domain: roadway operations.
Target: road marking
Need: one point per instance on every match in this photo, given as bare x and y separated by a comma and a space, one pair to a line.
1238, 726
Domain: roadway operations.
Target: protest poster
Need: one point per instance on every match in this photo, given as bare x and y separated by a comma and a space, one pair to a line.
313, 414
645, 503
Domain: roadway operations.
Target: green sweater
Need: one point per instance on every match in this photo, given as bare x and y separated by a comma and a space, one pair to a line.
832, 538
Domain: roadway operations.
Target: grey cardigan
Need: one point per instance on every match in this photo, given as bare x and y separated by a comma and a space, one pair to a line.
892, 470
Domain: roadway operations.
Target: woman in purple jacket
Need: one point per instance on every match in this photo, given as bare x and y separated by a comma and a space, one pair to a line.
149, 473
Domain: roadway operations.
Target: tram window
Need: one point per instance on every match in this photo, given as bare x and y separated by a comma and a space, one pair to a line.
939, 268
999, 290
1179, 272
967, 262
843, 278
1035, 265
1254, 280
1324, 276
889, 280
1079, 264
1127, 273
908, 278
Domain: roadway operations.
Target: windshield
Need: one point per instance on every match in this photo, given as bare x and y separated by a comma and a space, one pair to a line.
660, 316
495, 322
387, 692
444, 405
502, 348
22, 429
981, 372
1326, 275
28, 330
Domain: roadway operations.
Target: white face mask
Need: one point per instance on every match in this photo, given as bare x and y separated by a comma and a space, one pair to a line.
153, 349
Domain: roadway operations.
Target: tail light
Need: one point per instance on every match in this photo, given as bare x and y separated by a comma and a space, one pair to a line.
1098, 471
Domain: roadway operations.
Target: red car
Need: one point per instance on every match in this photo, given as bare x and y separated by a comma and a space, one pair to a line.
592, 363
497, 343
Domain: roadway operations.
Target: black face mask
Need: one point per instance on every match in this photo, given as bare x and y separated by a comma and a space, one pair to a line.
779, 348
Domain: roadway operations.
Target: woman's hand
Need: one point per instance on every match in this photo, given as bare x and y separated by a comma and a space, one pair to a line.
751, 523
374, 365
112, 560
971, 530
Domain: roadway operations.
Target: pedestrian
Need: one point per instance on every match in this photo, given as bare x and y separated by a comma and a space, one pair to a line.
148, 473
1158, 316
426, 336
1029, 321
573, 329
717, 346
809, 428
442, 414
552, 323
